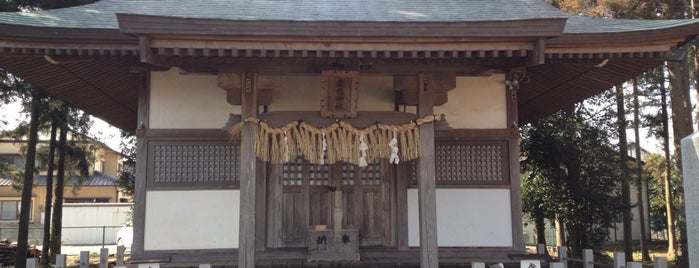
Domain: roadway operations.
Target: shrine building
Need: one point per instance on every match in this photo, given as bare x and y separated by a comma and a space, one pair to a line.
305, 132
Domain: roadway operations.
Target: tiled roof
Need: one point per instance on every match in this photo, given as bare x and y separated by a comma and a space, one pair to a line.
102, 13
581, 24
97, 179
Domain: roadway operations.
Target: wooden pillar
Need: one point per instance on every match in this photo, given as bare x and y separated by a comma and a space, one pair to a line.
513, 80
248, 168
139, 219
427, 196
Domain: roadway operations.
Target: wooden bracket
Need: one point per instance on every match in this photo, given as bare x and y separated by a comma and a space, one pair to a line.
232, 83
515, 77
538, 55
676, 54
407, 86
147, 57
144, 49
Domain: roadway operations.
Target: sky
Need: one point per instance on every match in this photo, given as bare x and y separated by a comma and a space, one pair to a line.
100, 130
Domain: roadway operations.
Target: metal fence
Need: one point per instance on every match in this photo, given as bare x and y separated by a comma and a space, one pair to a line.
82, 235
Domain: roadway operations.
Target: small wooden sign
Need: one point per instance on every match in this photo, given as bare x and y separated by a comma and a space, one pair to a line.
330, 246
339, 90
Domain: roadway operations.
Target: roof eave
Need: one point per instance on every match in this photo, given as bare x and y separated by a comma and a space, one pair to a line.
684, 33
149, 24
17, 31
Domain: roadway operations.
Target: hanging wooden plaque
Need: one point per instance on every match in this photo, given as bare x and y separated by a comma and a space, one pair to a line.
339, 94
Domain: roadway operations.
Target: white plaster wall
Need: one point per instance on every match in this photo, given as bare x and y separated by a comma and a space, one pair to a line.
466, 218
617, 233
376, 93
203, 219
187, 101
301, 92
476, 103
9, 148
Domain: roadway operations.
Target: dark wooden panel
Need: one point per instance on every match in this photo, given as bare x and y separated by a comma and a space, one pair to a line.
320, 201
403, 179
190, 134
475, 134
294, 225
274, 209
373, 218
472, 163
192, 164
351, 212
366, 200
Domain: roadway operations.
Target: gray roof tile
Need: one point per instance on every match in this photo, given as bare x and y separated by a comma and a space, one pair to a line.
102, 13
97, 179
581, 24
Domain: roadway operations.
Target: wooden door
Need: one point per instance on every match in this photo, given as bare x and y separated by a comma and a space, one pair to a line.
300, 195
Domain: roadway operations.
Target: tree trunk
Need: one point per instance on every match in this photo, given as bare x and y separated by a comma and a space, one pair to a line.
682, 125
624, 169
696, 74
540, 223
560, 233
575, 240
576, 231
25, 206
695, 43
48, 203
60, 179
671, 247
645, 257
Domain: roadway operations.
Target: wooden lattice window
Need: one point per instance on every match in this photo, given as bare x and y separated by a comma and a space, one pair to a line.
318, 175
371, 174
458, 163
191, 163
292, 173
348, 174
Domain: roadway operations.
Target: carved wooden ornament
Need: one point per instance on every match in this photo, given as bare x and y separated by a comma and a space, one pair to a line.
339, 90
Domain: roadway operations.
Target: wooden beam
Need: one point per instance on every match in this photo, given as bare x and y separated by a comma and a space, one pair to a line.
228, 80
427, 196
461, 66
248, 168
264, 96
363, 120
